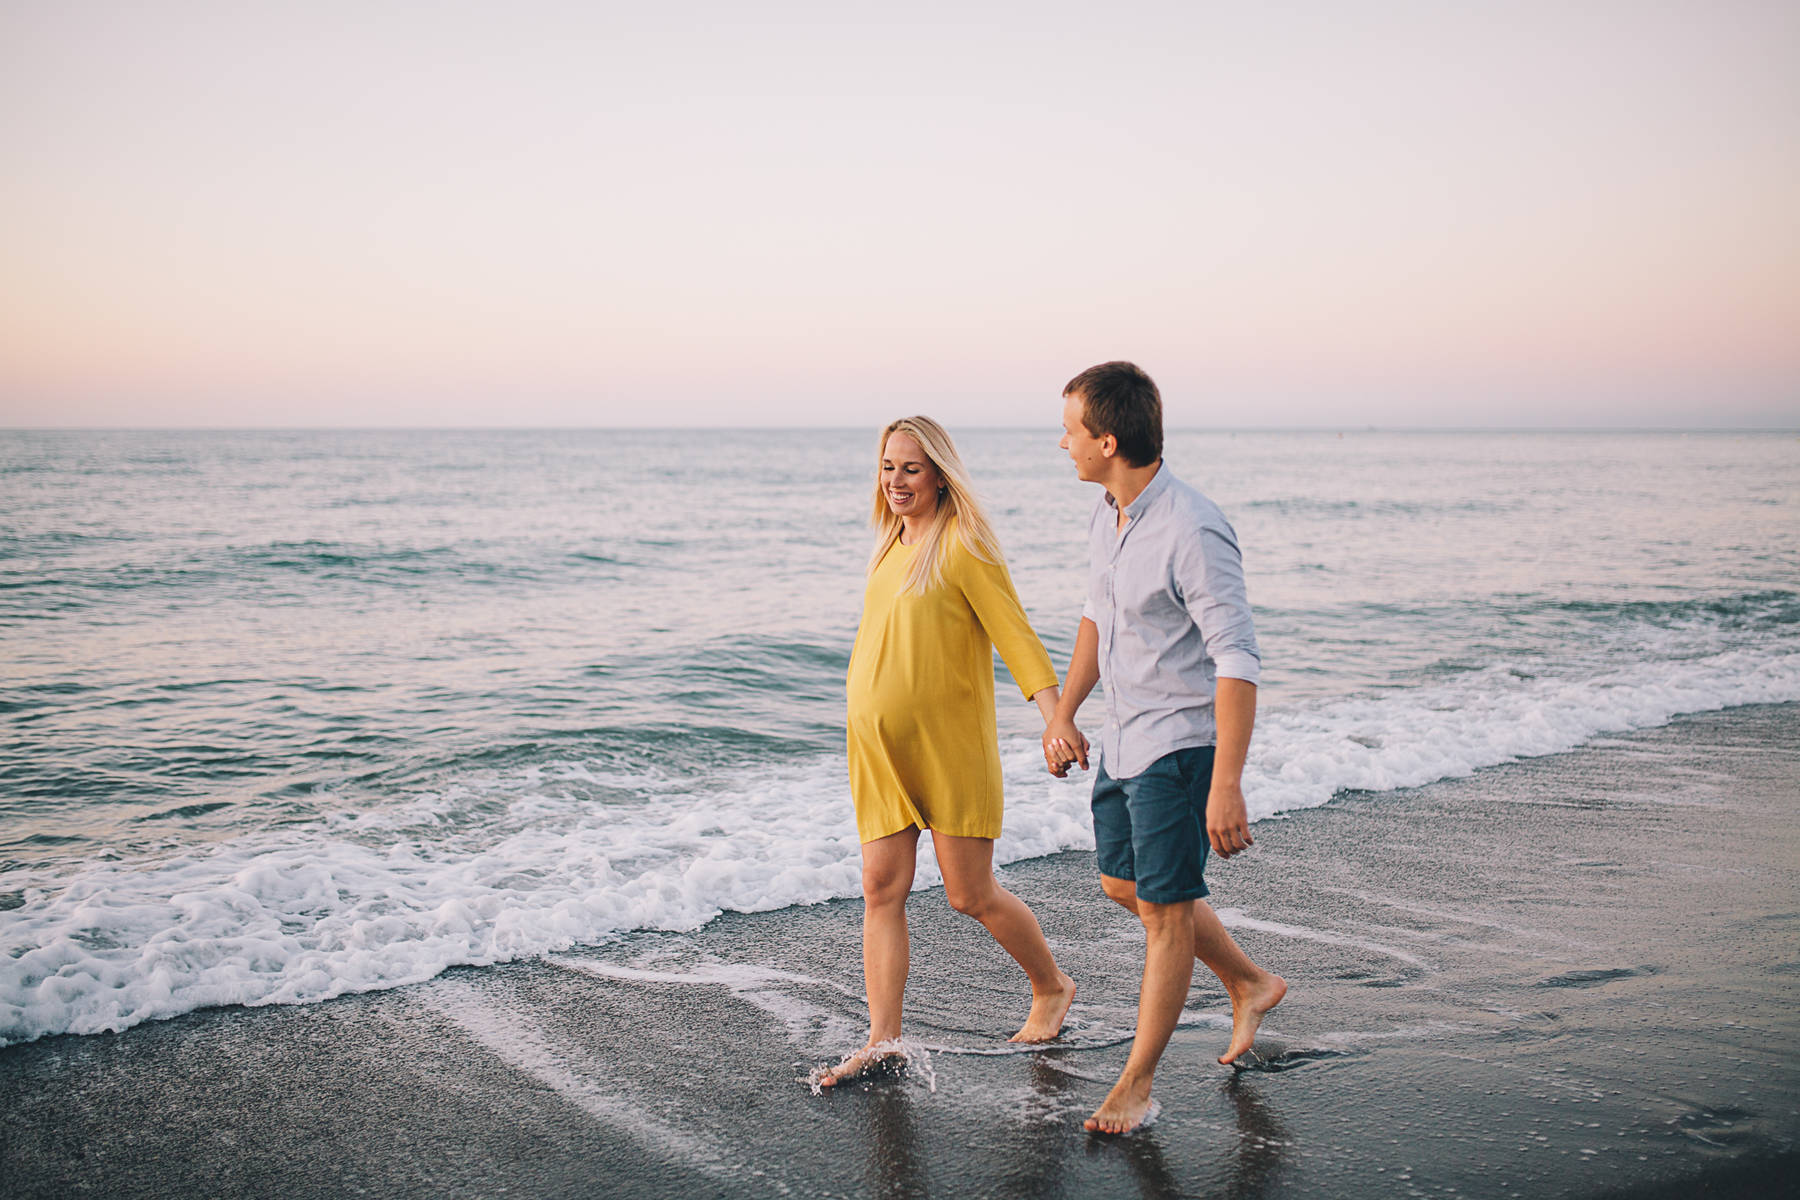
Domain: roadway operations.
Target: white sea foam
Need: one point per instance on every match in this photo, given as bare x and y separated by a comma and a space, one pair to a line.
1406, 738
893, 1057
352, 905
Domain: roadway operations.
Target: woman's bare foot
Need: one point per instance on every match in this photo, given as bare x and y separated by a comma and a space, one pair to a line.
1126, 1107
871, 1058
1247, 1012
1047, 1013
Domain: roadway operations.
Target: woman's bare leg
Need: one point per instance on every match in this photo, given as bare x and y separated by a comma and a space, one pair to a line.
970, 886
888, 865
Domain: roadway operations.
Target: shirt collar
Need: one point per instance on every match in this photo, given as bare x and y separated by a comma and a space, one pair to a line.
1159, 483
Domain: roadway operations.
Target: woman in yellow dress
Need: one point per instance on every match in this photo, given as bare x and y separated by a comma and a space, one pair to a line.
923, 747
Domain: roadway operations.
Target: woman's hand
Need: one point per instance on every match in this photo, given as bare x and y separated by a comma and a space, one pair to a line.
1064, 744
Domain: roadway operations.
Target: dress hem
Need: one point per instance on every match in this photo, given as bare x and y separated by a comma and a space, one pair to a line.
922, 827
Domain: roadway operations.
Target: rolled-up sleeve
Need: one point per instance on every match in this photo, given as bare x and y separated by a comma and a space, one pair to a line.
1209, 570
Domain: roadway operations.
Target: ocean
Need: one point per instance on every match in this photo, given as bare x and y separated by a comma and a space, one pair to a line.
298, 714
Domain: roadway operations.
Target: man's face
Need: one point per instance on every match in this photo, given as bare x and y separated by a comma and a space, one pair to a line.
1084, 448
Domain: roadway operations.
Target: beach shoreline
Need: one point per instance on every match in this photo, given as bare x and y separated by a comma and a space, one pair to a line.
1571, 976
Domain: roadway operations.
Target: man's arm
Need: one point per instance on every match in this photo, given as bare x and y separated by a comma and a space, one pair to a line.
1227, 820
1063, 742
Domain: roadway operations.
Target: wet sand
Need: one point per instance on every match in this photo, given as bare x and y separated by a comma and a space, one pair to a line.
1573, 976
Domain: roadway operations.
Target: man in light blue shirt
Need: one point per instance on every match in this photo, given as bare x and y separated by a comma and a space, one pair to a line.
1167, 630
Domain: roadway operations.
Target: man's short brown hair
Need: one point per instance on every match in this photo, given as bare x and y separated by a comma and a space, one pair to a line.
1118, 398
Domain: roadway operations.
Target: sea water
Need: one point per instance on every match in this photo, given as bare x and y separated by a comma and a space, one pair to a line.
295, 714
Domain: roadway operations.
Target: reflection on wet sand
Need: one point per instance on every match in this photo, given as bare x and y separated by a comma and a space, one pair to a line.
1143, 1158
1247, 1168
1032, 1156
897, 1162
1039, 1143
1253, 1163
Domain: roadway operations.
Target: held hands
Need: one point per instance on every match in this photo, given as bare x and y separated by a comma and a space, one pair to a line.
1064, 745
1227, 821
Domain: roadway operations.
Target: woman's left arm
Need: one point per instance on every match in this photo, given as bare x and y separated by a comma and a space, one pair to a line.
990, 593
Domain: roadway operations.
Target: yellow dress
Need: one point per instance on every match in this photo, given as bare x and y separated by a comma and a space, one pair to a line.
923, 747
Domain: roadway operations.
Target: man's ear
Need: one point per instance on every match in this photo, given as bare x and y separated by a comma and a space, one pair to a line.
1109, 446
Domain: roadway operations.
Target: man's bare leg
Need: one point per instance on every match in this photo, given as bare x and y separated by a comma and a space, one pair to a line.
888, 865
970, 886
1168, 973
1253, 991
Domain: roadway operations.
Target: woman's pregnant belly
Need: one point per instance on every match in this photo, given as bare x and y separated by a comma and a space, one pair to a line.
891, 694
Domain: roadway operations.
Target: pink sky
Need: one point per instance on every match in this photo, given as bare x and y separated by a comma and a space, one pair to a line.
558, 214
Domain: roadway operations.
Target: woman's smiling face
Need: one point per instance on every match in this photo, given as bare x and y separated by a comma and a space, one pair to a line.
909, 479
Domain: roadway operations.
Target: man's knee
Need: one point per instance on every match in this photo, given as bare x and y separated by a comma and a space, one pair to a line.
1120, 891
1160, 919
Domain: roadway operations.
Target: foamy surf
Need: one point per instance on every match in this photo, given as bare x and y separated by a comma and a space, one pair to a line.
349, 905
1409, 738
894, 1059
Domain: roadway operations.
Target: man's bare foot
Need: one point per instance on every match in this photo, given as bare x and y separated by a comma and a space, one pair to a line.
1127, 1106
871, 1058
1247, 1013
1047, 1013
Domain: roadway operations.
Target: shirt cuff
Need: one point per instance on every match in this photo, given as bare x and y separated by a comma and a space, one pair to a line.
1238, 664
1025, 685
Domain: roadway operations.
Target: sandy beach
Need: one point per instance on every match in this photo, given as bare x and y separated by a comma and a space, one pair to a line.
1568, 976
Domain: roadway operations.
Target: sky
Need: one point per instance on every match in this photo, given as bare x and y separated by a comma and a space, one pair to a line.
597, 214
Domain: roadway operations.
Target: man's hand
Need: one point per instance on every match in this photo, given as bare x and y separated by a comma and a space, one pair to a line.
1064, 744
1227, 821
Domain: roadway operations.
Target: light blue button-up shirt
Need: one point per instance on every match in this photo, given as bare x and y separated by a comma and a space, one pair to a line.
1167, 595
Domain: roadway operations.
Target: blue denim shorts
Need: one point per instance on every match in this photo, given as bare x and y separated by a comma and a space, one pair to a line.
1151, 828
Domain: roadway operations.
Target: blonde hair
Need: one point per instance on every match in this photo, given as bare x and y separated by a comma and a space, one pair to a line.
957, 502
